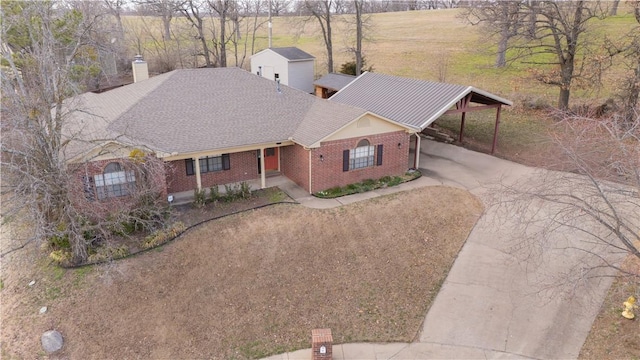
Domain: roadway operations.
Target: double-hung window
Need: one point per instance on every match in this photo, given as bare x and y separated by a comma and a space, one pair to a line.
114, 181
363, 156
208, 164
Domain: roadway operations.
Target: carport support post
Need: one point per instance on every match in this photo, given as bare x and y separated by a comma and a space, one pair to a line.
263, 176
462, 126
495, 132
416, 165
198, 178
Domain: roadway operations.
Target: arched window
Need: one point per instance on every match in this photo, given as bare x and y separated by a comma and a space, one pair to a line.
114, 181
362, 155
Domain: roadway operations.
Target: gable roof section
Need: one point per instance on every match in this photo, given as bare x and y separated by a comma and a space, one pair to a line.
413, 102
292, 53
195, 110
334, 81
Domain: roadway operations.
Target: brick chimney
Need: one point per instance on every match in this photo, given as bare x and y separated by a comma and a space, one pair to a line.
140, 69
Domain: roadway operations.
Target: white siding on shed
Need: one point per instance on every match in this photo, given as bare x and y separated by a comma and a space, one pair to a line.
298, 74
301, 75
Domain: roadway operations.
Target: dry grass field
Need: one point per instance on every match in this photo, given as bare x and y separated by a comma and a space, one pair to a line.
252, 284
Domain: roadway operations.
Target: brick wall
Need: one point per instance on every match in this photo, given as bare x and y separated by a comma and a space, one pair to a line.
294, 164
327, 173
102, 207
244, 167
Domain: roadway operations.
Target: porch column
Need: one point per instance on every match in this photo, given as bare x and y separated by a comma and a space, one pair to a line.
198, 179
417, 156
263, 176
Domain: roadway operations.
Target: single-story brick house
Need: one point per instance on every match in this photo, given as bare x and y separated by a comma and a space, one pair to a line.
226, 125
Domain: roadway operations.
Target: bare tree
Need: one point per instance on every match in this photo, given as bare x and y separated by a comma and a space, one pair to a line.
223, 9
562, 31
628, 47
115, 8
358, 5
166, 9
163, 55
248, 15
591, 212
322, 11
45, 45
193, 11
501, 19
279, 7
547, 33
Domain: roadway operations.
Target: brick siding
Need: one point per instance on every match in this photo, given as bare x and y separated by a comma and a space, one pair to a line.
90, 169
243, 167
294, 164
327, 173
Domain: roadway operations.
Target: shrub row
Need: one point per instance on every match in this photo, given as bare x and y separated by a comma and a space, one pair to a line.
367, 185
232, 192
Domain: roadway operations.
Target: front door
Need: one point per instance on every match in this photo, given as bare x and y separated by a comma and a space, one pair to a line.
271, 159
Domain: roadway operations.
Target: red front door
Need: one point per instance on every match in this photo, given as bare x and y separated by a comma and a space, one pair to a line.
271, 159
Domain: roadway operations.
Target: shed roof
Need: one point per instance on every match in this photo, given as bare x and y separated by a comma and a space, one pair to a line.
292, 53
194, 110
413, 102
334, 81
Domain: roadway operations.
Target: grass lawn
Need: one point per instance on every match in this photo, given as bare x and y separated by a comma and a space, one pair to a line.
252, 284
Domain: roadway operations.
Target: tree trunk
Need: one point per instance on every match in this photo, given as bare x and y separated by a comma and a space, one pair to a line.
205, 48
563, 99
120, 27
614, 8
223, 41
501, 59
566, 75
329, 42
358, 5
166, 22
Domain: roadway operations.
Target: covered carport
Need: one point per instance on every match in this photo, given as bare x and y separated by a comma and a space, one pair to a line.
418, 103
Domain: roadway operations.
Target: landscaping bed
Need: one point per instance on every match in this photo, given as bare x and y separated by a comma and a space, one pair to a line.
368, 185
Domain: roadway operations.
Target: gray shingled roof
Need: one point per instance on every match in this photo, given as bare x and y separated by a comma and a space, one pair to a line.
293, 53
334, 81
413, 102
196, 110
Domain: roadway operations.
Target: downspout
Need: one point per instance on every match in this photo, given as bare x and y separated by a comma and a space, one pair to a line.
310, 191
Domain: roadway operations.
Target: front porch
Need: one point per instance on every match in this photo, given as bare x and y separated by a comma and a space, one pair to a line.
272, 179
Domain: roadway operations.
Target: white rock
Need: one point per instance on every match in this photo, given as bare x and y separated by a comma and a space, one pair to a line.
43, 310
33, 282
51, 341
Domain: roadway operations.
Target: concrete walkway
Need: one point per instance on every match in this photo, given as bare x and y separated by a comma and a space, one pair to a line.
488, 307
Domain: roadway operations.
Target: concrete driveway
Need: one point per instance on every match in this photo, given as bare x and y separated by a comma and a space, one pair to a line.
491, 304
490, 300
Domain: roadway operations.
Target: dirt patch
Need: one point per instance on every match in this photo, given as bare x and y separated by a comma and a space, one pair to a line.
252, 284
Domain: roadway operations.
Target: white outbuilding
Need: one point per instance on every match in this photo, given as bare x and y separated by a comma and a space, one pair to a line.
292, 66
